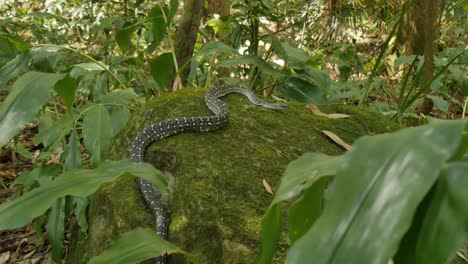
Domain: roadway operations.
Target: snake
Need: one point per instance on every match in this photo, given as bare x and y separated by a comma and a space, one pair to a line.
167, 128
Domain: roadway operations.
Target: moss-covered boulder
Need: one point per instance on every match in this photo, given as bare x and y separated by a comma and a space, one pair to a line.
218, 197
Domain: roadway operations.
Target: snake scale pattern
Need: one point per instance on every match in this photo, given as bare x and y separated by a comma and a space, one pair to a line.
171, 127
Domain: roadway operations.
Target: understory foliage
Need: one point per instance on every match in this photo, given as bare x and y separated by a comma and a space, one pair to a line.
76, 69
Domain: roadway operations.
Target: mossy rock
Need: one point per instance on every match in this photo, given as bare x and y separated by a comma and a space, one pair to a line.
217, 198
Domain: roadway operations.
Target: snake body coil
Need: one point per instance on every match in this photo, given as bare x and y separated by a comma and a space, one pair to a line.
171, 127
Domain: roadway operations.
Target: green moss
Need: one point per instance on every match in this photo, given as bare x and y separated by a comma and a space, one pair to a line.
217, 198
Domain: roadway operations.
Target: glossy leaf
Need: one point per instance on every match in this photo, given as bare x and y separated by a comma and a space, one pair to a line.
375, 194
29, 93
97, 133
446, 221
162, 68
55, 229
66, 89
82, 182
135, 246
299, 176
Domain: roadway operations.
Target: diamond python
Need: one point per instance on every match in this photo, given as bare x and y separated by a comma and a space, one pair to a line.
174, 126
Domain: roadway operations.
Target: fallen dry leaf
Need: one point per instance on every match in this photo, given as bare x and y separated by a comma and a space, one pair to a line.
267, 187
337, 139
316, 111
4, 257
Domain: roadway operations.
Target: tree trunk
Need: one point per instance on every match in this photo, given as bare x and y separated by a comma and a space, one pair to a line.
217, 198
418, 36
186, 37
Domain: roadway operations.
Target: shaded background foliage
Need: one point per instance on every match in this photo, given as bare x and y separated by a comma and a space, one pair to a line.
75, 69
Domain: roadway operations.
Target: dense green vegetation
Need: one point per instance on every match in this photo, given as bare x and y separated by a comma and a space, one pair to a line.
75, 70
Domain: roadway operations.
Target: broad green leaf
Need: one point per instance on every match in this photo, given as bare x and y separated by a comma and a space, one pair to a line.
80, 212
271, 232
302, 91
119, 118
296, 57
82, 182
157, 28
97, 133
299, 176
252, 60
14, 67
46, 61
17, 42
100, 86
20, 149
57, 130
403, 60
162, 69
303, 213
73, 153
303, 172
376, 191
124, 36
446, 222
55, 229
119, 114
135, 246
29, 93
174, 5
213, 47
119, 97
439, 102
31, 179
66, 89
311, 86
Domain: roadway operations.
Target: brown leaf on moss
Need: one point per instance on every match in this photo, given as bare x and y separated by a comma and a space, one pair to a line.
336, 139
267, 187
316, 111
